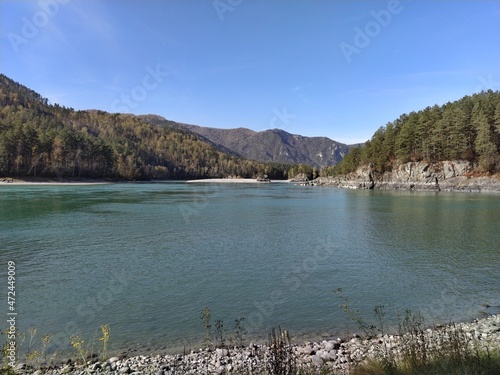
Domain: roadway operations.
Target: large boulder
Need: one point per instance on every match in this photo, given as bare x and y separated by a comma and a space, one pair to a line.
301, 177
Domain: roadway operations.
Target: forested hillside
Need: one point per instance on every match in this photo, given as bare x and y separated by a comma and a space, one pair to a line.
42, 140
467, 129
38, 139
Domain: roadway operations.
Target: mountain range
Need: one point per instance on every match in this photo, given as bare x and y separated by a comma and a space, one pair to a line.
44, 140
274, 145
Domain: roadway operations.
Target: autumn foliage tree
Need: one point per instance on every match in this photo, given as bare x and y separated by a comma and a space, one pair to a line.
39, 139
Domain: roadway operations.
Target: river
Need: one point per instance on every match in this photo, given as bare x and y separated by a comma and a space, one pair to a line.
147, 258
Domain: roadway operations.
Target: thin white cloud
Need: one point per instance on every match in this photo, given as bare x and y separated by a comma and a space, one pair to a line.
61, 97
411, 83
379, 92
352, 20
436, 74
239, 66
96, 20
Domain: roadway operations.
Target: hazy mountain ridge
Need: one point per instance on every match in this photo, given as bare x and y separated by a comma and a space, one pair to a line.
275, 145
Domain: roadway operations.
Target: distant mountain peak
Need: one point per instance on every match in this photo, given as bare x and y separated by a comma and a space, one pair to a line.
274, 145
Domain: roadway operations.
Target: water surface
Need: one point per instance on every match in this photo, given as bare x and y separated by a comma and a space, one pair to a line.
147, 258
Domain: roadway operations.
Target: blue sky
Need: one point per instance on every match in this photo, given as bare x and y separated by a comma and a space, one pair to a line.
335, 68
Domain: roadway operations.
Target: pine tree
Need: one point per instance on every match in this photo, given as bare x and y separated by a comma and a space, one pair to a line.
455, 138
496, 125
485, 146
405, 139
463, 114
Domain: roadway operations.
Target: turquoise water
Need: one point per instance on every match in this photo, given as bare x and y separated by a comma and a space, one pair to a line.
147, 258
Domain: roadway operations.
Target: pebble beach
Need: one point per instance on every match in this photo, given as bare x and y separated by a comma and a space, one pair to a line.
336, 356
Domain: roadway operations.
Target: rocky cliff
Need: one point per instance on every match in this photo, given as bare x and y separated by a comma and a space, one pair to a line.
455, 175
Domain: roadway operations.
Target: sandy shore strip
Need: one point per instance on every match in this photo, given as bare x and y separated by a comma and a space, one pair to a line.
234, 181
41, 182
14, 182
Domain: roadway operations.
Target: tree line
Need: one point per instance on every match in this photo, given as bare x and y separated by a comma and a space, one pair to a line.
43, 140
467, 129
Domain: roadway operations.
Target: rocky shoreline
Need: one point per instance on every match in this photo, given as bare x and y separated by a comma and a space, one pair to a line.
335, 355
455, 175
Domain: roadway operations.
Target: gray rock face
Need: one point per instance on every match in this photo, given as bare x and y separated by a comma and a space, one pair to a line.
447, 176
301, 177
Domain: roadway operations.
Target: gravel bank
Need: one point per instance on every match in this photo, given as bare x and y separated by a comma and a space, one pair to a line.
335, 355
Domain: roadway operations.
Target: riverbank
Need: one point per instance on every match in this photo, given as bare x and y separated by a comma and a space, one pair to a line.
43, 181
333, 356
234, 181
453, 176
81, 182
